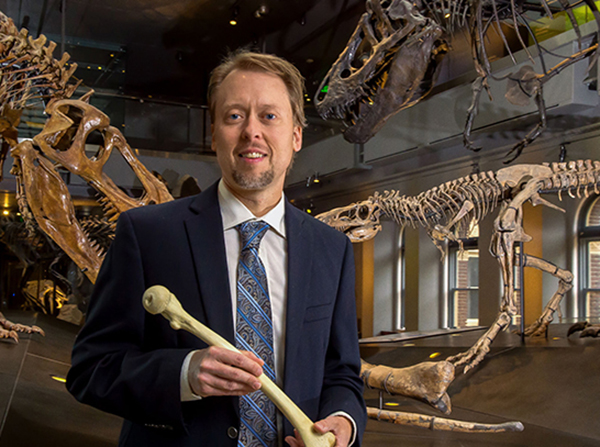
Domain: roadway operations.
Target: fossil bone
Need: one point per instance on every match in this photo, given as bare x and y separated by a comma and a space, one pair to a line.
8, 329
158, 300
29, 74
447, 212
440, 424
427, 381
392, 60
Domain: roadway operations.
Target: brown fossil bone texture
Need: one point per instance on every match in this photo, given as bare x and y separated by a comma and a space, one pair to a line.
8, 329
159, 300
62, 142
440, 424
448, 211
393, 57
426, 381
28, 74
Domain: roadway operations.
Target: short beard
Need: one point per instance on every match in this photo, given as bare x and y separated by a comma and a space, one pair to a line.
252, 182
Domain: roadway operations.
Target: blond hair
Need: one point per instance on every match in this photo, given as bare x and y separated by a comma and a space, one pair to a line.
247, 60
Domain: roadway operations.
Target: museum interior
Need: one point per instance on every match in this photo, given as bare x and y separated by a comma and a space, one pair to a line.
456, 143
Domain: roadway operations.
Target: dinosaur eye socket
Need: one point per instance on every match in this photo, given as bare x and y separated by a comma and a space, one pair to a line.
363, 212
345, 74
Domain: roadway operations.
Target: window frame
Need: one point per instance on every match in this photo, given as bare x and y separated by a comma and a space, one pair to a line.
452, 250
586, 234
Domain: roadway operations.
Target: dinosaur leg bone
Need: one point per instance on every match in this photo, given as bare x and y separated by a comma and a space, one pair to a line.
540, 327
158, 300
479, 350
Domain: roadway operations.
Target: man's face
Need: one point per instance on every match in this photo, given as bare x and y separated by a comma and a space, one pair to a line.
254, 134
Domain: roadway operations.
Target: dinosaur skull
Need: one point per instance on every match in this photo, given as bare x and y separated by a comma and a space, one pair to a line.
62, 142
359, 221
389, 64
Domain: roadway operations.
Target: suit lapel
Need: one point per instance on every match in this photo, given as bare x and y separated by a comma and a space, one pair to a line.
205, 235
300, 249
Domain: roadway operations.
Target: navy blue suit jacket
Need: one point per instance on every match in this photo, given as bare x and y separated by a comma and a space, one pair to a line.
127, 362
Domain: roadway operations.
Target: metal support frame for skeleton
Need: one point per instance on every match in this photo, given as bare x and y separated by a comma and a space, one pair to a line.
447, 212
392, 60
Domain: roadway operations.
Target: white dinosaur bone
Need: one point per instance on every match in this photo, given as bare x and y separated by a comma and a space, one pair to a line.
158, 300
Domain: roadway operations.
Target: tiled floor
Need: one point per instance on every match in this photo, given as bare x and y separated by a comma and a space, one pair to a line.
35, 409
550, 385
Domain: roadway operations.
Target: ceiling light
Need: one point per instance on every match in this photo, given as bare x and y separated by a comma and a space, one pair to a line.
6, 212
434, 355
59, 378
235, 11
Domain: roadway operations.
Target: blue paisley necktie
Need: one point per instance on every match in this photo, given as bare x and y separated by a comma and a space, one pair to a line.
254, 332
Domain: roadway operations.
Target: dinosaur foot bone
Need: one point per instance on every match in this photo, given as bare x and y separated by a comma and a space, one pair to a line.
427, 381
587, 329
8, 329
471, 358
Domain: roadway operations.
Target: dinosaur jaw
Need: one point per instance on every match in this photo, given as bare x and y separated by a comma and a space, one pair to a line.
389, 64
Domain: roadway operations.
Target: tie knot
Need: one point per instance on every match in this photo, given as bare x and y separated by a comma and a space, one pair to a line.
251, 233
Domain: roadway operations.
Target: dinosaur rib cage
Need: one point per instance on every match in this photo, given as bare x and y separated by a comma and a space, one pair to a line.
441, 204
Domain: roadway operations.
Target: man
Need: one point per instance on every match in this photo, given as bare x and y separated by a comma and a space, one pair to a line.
169, 386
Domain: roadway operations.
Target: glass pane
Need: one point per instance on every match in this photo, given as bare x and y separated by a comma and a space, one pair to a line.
466, 308
593, 306
467, 269
593, 216
593, 281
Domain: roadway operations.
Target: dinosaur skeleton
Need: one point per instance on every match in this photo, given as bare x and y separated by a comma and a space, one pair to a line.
447, 212
392, 59
29, 74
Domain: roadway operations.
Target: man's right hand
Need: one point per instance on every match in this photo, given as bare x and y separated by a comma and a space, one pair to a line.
220, 372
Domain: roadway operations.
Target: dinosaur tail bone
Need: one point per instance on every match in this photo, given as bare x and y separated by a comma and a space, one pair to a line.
440, 424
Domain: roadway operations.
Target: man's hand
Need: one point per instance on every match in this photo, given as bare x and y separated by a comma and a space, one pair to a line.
220, 372
338, 425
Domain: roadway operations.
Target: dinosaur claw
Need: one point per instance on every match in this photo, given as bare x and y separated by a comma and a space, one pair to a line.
579, 326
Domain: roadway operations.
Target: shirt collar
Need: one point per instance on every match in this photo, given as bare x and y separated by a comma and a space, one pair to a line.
234, 212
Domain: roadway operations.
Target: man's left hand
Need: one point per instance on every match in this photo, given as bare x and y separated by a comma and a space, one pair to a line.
338, 425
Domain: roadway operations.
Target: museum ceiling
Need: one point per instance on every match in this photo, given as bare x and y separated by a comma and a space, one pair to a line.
164, 50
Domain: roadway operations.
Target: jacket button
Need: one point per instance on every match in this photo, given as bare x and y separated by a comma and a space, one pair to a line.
232, 432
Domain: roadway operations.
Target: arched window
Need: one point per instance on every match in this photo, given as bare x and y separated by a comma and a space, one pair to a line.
589, 261
463, 282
